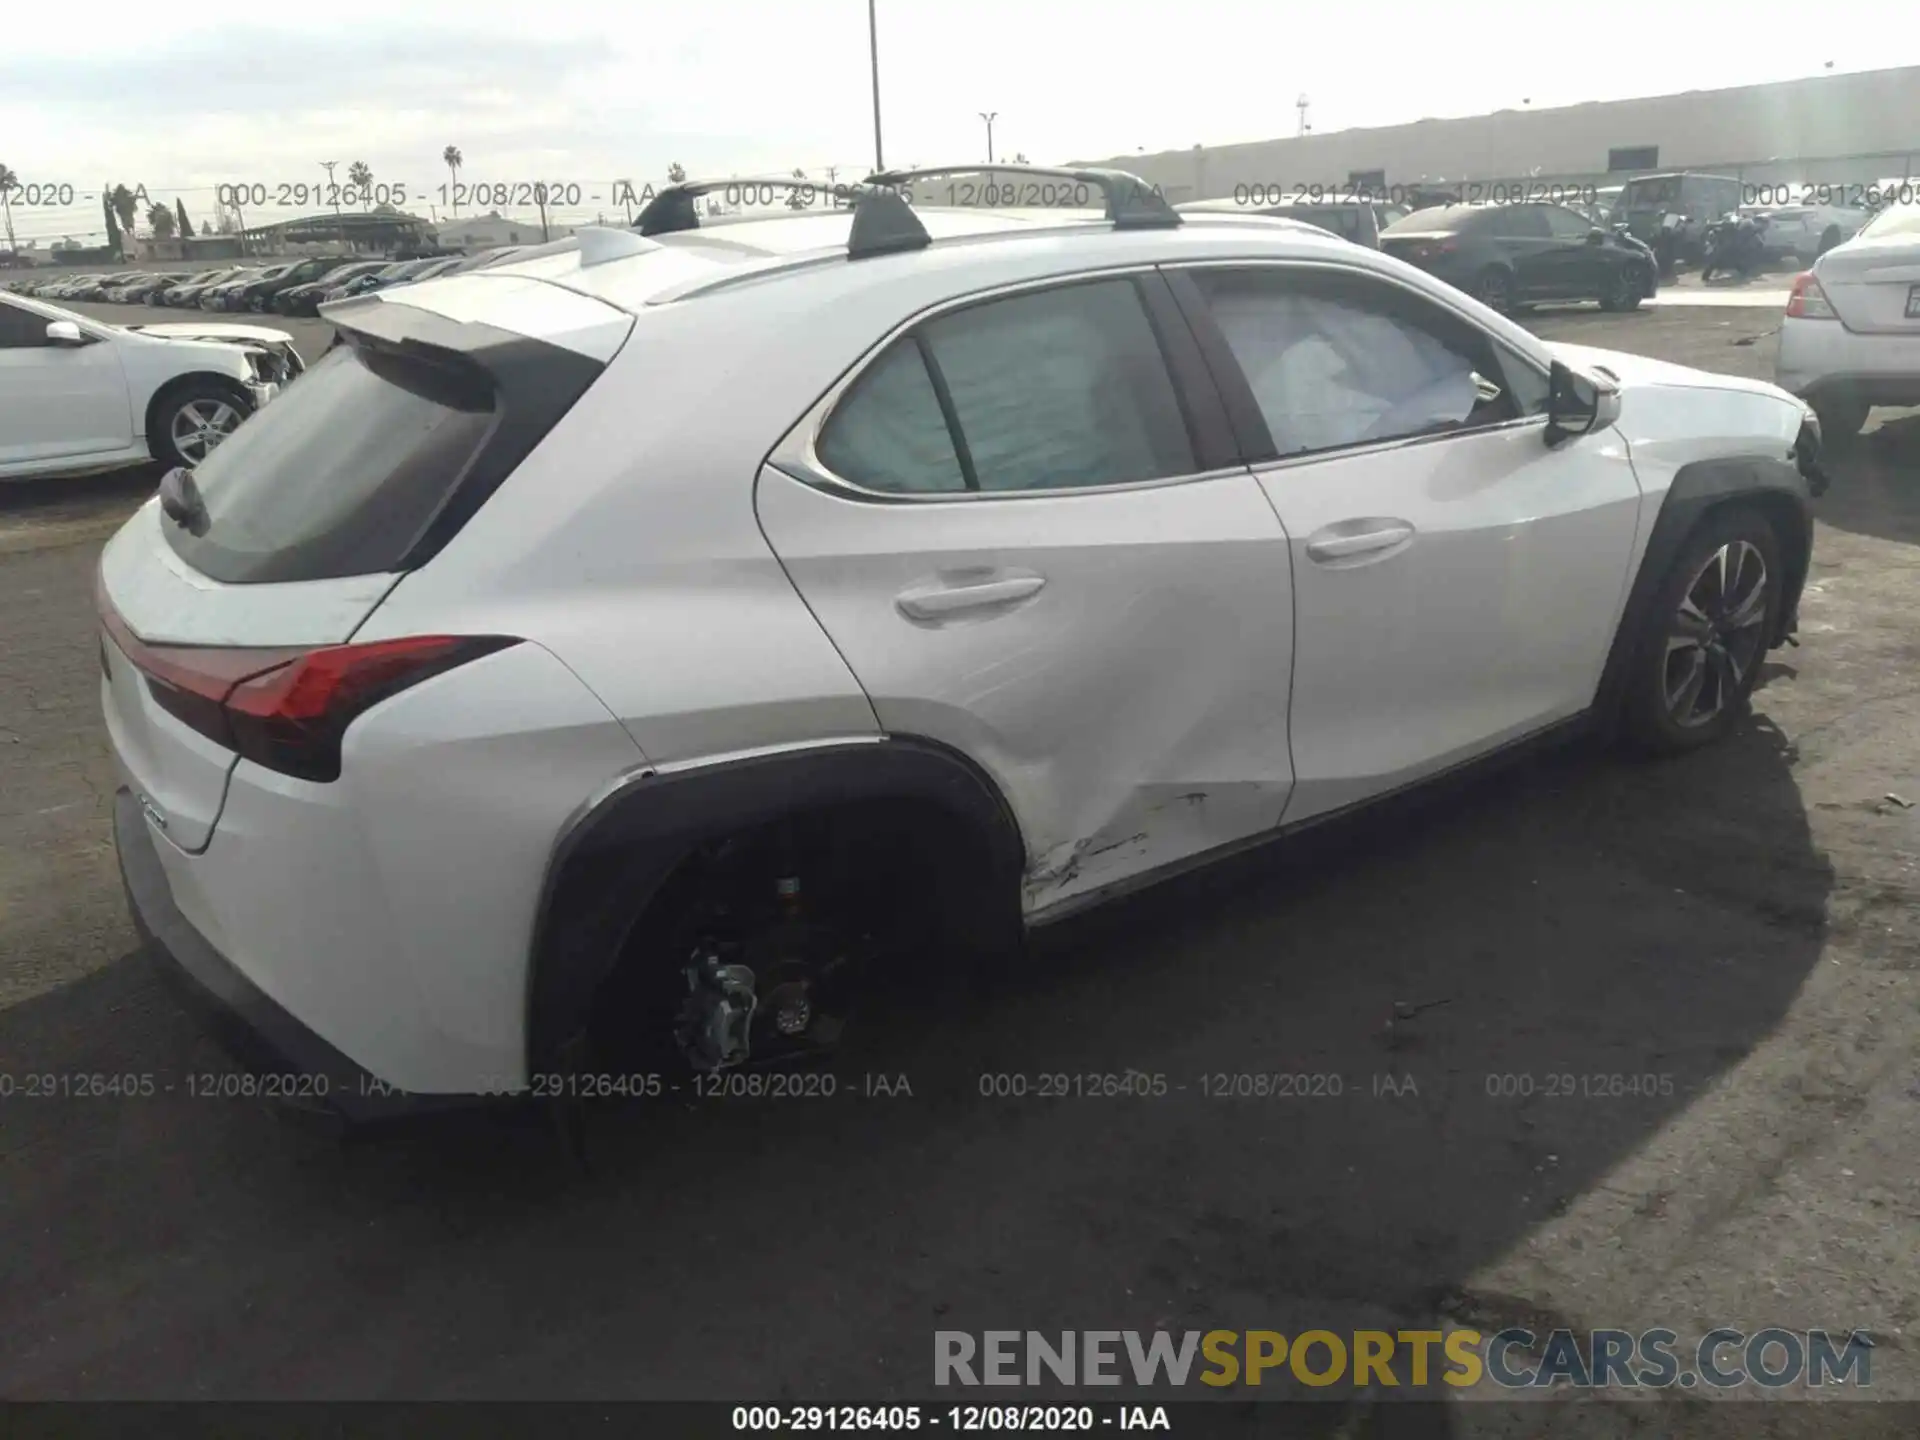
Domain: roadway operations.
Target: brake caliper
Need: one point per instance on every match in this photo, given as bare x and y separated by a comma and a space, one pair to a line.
717, 1016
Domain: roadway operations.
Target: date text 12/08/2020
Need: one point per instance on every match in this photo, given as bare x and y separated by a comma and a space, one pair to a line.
1474, 193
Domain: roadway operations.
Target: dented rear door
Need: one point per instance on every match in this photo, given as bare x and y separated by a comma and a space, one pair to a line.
1015, 527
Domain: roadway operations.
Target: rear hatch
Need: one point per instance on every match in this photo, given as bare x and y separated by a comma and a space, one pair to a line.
294, 529
1873, 282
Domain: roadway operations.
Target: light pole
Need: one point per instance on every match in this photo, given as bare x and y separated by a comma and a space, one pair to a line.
989, 116
873, 48
338, 227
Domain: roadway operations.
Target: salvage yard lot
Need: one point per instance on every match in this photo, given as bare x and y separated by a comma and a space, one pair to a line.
1740, 925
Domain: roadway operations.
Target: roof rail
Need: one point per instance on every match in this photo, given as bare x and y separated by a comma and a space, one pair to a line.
1132, 204
672, 209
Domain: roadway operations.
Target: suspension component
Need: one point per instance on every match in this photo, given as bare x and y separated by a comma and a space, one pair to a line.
715, 1029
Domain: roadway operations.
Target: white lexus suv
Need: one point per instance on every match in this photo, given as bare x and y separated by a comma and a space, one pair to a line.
78, 395
609, 657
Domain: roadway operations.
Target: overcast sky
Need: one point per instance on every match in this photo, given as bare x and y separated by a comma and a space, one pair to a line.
576, 91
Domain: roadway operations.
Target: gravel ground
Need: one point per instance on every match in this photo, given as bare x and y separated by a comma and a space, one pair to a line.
1742, 923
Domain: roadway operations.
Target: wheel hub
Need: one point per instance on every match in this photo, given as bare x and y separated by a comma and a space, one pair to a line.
1716, 636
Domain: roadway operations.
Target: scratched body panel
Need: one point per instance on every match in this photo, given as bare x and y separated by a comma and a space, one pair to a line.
1132, 707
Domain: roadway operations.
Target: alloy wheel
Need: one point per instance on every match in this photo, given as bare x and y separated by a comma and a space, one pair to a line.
1715, 636
200, 425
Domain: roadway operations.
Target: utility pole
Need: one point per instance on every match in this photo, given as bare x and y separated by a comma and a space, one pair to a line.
1301, 106
873, 48
540, 199
989, 116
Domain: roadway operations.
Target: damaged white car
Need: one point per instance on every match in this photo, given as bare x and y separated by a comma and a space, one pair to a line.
78, 395
596, 664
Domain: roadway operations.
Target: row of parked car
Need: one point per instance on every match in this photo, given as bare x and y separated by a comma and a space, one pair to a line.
292, 287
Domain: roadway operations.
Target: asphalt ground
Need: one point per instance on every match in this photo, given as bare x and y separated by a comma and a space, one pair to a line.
1740, 925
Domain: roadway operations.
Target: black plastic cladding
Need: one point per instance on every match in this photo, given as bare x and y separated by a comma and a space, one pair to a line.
650, 825
1775, 486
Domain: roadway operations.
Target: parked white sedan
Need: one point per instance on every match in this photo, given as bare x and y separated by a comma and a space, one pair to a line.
1807, 232
79, 396
1850, 339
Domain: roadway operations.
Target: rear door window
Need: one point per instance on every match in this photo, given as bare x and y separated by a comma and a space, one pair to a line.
340, 474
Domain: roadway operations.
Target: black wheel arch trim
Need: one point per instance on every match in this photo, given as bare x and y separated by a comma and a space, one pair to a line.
1773, 485
617, 853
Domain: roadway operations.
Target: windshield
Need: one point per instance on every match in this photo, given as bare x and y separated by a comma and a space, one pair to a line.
1900, 220
1655, 191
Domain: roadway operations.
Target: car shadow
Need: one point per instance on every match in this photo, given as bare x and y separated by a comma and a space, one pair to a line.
1875, 487
1454, 1021
34, 502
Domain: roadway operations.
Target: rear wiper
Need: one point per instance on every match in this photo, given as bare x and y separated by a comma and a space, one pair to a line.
180, 501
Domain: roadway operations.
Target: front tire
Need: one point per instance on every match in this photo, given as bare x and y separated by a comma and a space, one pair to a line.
1841, 414
1625, 290
1495, 290
190, 422
1702, 644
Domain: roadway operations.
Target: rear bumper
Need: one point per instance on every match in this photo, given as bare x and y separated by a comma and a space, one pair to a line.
262, 1036
1822, 356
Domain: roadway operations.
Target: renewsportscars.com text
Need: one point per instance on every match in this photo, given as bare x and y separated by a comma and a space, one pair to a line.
1511, 1359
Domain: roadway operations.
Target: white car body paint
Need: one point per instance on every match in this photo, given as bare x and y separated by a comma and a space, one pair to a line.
688, 590
1872, 341
84, 409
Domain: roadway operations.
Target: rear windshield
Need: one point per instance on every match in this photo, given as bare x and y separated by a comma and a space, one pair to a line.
1900, 220
1438, 217
341, 473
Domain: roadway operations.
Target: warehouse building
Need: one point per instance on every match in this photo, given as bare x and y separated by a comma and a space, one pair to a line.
1834, 130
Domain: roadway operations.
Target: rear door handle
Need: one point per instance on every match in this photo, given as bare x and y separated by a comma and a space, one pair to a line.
936, 602
1344, 544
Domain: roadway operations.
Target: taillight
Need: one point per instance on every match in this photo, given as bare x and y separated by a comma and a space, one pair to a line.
1807, 300
288, 710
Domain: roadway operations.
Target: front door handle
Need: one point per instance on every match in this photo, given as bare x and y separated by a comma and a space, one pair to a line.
937, 602
1339, 543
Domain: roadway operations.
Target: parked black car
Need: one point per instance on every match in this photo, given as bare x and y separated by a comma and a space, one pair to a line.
187, 292
1508, 255
1355, 220
258, 294
140, 290
304, 299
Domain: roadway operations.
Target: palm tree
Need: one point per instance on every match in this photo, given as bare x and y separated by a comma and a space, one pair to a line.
676, 173
453, 160
125, 206
361, 178
160, 220
9, 182
797, 197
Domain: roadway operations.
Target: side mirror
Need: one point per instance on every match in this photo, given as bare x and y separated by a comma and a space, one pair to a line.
1596, 236
1577, 404
66, 333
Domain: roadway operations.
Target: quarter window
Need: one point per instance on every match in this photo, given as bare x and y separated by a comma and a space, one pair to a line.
890, 433
1059, 389
20, 328
1337, 360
